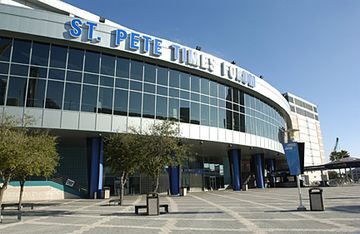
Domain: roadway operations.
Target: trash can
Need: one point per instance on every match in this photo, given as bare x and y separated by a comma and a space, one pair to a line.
183, 191
152, 204
316, 199
106, 192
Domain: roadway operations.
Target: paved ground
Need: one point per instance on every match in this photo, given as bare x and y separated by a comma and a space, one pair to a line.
259, 211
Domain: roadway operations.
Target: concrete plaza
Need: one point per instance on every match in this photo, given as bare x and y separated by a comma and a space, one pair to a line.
258, 211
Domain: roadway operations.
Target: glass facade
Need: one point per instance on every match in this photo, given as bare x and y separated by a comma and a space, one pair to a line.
52, 76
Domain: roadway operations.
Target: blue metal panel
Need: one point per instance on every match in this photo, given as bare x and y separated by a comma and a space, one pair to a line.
235, 164
96, 169
174, 173
271, 169
259, 171
101, 167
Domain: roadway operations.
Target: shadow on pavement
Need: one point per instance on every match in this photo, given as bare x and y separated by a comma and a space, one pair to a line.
347, 209
37, 213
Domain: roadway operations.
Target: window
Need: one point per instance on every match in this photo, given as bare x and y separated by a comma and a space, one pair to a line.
76, 58
195, 84
16, 92
195, 113
21, 51
149, 106
92, 61
38, 72
150, 73
105, 100
184, 111
5, 45
58, 56
204, 86
36, 93
162, 76
91, 78
162, 90
185, 81
73, 76
4, 68
122, 67
107, 64
136, 70
213, 89
213, 117
161, 107
174, 79
134, 85
56, 74
236, 120
40, 54
120, 102
149, 88
107, 81
222, 92
19, 70
3, 82
72, 97
174, 109
173, 92
89, 98
122, 83
222, 118
205, 115
54, 95
135, 104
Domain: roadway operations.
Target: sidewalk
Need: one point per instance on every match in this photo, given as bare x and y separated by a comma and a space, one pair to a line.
257, 211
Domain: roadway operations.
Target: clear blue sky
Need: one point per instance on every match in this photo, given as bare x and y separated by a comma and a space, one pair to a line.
309, 48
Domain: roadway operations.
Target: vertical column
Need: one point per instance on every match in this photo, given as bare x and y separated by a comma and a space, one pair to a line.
101, 168
259, 170
235, 160
96, 166
174, 176
271, 169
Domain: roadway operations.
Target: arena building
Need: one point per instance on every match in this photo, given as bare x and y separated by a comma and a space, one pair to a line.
82, 76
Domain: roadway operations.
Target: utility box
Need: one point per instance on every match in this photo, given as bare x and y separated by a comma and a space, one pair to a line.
316, 199
152, 204
106, 192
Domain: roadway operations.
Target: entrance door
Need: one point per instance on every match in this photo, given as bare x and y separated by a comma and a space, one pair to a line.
212, 183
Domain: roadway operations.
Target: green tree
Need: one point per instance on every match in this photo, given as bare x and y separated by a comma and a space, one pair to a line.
12, 142
122, 154
24, 153
161, 146
339, 155
40, 159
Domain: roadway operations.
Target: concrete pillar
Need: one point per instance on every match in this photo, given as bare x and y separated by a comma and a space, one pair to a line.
96, 147
174, 178
235, 164
258, 159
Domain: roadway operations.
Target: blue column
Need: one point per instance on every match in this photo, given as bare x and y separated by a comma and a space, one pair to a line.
235, 165
174, 176
271, 169
96, 169
101, 168
259, 171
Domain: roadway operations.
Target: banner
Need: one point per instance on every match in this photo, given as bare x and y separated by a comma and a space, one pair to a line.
292, 154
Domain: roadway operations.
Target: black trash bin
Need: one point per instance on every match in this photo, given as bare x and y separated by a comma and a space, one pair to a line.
152, 204
316, 199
